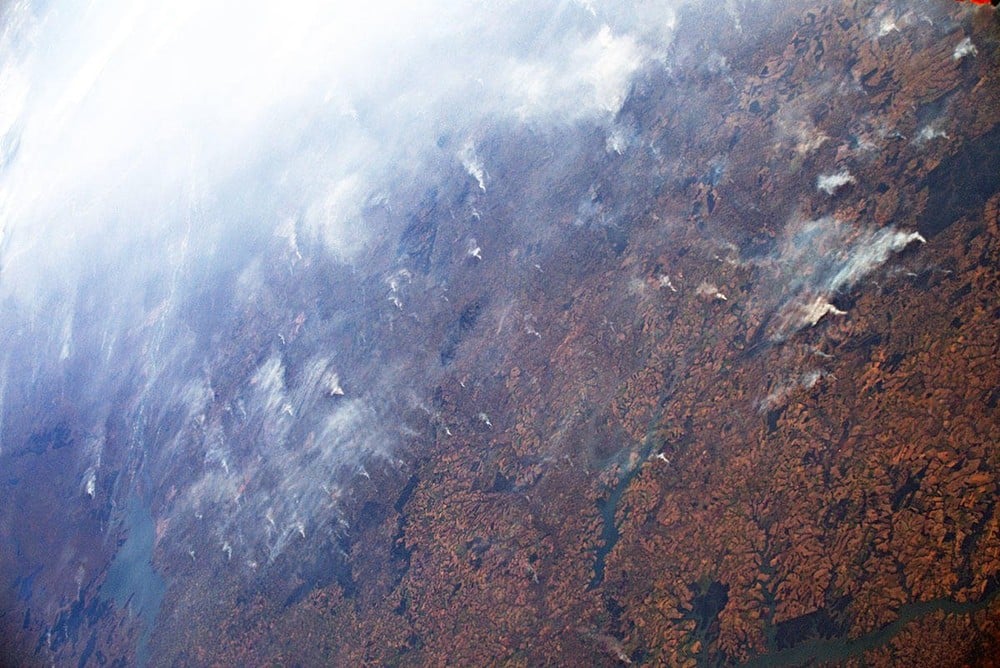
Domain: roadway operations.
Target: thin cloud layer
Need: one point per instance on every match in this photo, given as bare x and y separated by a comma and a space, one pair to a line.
151, 153
116, 115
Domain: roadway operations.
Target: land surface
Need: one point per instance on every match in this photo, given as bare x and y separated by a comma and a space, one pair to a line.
630, 443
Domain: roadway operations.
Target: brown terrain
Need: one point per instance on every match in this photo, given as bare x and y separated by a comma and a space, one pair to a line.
636, 446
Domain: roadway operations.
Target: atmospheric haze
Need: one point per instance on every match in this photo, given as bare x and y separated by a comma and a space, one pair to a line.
175, 176
157, 160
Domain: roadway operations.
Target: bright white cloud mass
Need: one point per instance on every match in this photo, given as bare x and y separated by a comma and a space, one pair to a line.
112, 111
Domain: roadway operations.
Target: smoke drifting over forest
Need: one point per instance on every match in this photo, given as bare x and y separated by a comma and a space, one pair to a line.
157, 161
234, 243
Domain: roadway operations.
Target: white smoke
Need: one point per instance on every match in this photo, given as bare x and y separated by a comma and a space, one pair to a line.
830, 183
118, 117
147, 148
820, 259
964, 48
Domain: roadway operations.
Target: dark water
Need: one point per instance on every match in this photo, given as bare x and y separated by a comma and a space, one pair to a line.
608, 509
837, 650
131, 578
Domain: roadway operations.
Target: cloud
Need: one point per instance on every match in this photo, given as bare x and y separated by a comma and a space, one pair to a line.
116, 110
590, 81
146, 140
160, 164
